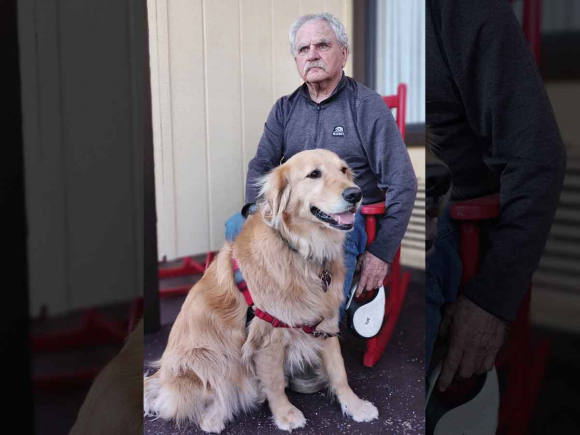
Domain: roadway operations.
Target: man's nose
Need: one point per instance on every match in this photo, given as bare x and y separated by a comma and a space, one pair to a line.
313, 53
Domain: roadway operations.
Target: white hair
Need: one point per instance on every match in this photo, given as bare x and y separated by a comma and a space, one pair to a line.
334, 23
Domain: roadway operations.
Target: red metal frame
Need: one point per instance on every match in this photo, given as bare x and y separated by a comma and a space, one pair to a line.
399, 102
188, 267
531, 22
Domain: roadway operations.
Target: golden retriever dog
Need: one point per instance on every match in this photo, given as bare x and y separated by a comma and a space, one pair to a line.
291, 257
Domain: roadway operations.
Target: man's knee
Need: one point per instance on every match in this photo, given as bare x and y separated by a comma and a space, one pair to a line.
234, 226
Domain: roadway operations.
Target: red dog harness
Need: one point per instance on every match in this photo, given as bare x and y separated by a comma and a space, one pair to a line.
276, 323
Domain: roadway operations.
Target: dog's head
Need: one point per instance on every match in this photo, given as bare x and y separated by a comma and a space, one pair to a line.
314, 188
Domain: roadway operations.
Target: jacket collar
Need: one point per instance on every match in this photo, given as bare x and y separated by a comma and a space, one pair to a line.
303, 90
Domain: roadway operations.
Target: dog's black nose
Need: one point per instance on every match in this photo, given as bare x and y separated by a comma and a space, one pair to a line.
352, 195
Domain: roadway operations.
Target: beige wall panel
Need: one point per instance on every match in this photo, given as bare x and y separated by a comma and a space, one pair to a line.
224, 120
285, 75
154, 67
163, 133
189, 124
337, 8
45, 180
348, 24
77, 149
257, 93
99, 147
312, 6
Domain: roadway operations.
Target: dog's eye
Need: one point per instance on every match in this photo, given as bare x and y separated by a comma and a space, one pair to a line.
344, 169
314, 174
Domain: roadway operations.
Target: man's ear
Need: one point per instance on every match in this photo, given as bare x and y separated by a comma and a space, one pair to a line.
275, 194
344, 56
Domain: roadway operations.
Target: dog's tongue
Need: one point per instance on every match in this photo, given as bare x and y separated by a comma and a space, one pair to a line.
345, 218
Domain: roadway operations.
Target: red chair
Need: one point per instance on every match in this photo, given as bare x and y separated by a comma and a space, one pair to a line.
523, 364
399, 103
188, 267
395, 281
531, 21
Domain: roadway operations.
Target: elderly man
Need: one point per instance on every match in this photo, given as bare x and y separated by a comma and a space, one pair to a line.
490, 121
334, 112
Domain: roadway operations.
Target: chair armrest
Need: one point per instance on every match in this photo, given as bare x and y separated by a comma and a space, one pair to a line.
485, 207
374, 209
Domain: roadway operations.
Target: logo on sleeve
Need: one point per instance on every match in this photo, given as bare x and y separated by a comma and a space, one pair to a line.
338, 131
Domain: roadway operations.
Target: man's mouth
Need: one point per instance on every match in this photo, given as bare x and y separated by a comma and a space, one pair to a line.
342, 221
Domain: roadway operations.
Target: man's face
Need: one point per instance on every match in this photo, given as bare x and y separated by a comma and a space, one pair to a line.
319, 56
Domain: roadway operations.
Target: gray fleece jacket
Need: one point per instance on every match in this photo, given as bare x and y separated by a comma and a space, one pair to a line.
355, 123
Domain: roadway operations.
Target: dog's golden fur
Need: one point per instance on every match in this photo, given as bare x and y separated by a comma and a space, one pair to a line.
214, 366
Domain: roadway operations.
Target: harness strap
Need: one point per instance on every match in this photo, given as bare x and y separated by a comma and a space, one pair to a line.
276, 323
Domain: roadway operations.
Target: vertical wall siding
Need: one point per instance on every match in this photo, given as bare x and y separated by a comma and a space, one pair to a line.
217, 68
84, 127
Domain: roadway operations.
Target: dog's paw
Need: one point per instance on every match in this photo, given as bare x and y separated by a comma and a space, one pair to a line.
361, 411
291, 419
212, 424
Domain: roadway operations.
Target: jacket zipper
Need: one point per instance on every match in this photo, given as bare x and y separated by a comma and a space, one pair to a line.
317, 125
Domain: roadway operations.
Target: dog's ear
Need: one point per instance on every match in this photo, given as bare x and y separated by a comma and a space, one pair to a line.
347, 170
350, 174
275, 194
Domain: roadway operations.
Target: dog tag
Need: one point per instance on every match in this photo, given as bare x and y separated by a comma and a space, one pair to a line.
326, 278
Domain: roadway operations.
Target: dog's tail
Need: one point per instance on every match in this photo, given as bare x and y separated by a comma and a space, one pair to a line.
206, 399
312, 379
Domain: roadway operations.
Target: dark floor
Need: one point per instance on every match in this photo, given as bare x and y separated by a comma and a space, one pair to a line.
394, 385
400, 401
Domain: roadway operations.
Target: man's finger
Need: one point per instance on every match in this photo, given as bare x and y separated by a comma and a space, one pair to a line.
369, 284
361, 282
489, 362
450, 366
467, 366
444, 327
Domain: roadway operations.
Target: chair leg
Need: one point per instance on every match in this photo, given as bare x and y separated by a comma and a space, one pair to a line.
188, 267
525, 370
377, 344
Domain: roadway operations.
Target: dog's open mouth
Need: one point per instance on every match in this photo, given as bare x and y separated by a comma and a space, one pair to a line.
342, 221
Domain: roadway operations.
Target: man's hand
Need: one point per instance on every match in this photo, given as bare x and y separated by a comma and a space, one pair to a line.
475, 338
373, 272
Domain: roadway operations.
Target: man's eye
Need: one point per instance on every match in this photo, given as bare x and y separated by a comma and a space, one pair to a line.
344, 169
323, 46
303, 50
314, 174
